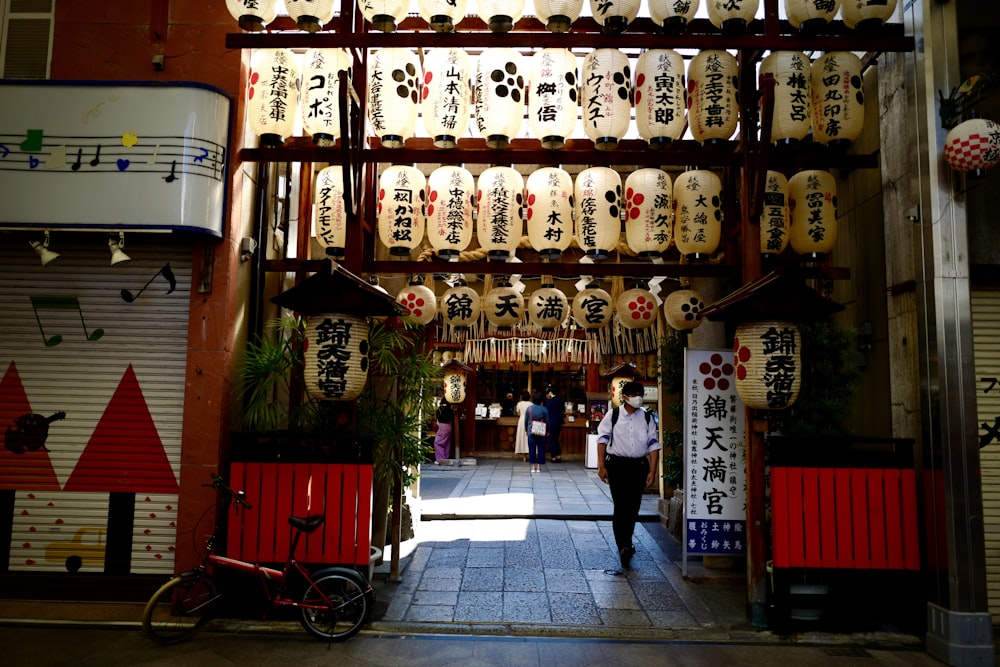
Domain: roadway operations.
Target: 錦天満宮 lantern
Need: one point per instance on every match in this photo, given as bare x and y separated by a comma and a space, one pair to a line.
503, 306
460, 307
336, 356
548, 307
592, 308
767, 356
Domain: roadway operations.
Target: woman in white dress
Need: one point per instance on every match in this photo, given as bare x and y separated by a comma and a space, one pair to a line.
521, 439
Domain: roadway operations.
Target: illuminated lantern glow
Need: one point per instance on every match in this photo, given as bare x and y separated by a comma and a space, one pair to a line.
447, 95
331, 216
812, 203
419, 302
606, 97
460, 307
637, 309
973, 145
554, 101
774, 220
697, 214
442, 15
548, 307
500, 216
681, 309
838, 101
598, 192
732, 16
768, 362
660, 96
867, 15
401, 218
592, 308
310, 15
503, 306
336, 356
252, 15
273, 95
393, 95
384, 15
321, 98
558, 15
791, 120
454, 384
673, 15
499, 94
811, 16
500, 15
649, 212
550, 211
615, 389
614, 15
450, 200
712, 109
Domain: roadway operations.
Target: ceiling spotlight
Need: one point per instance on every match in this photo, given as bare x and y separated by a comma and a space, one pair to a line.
42, 248
115, 246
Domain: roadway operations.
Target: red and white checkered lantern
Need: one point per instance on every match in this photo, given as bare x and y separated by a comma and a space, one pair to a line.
672, 15
460, 307
774, 220
606, 97
732, 16
384, 15
838, 100
812, 203
558, 15
867, 15
500, 15
442, 15
273, 95
499, 94
252, 15
592, 308
554, 99
550, 211
768, 362
548, 307
660, 96
447, 95
401, 217
791, 119
974, 144
310, 15
614, 15
637, 309
393, 95
451, 196
500, 199
598, 192
811, 16
331, 216
321, 98
649, 212
697, 214
712, 108
419, 302
336, 356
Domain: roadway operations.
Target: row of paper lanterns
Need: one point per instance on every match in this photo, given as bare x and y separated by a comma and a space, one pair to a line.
613, 16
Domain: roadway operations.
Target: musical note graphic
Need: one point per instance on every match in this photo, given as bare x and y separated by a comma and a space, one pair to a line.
173, 169
33, 143
165, 271
61, 303
97, 157
6, 151
57, 158
79, 156
152, 158
202, 156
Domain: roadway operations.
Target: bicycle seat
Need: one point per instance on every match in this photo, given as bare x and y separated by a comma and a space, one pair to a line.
307, 524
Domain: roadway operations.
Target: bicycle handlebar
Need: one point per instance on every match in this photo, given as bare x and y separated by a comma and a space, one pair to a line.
238, 497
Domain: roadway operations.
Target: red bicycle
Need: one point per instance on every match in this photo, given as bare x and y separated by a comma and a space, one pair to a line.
335, 602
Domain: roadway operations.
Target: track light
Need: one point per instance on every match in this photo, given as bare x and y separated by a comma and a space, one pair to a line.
42, 248
115, 246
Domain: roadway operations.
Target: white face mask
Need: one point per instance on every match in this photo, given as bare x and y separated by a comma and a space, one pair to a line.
635, 401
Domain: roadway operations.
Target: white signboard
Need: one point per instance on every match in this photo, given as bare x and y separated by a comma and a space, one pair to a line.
135, 156
715, 489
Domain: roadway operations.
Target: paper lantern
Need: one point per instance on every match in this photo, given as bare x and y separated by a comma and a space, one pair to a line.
812, 204
614, 15
598, 192
310, 15
671, 15
558, 15
331, 216
321, 99
500, 15
768, 364
273, 95
554, 101
548, 307
419, 302
401, 218
838, 101
649, 212
503, 306
499, 96
697, 214
252, 15
592, 308
774, 220
460, 307
791, 119
811, 16
336, 356
447, 95
660, 96
500, 200
732, 16
867, 15
973, 145
637, 309
606, 97
615, 388
450, 200
442, 15
384, 15
712, 107
550, 211
681, 309
393, 95
454, 383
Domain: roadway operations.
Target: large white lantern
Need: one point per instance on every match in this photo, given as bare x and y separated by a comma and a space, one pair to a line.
500, 200
606, 97
321, 99
614, 15
660, 96
384, 15
713, 110
460, 307
554, 99
637, 309
310, 15
732, 16
867, 15
500, 15
336, 356
768, 360
791, 119
252, 15
442, 15
455, 375
774, 220
451, 194
273, 95
973, 145
697, 214
331, 215
598, 192
447, 95
812, 203
401, 217
593, 308
419, 302
838, 101
649, 212
503, 306
682, 308
499, 96
393, 95
548, 307
673, 15
550, 211
811, 16
558, 15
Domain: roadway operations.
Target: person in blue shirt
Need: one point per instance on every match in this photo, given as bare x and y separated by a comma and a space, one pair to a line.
554, 405
536, 443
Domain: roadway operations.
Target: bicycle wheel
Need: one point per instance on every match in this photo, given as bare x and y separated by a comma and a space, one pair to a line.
342, 617
179, 609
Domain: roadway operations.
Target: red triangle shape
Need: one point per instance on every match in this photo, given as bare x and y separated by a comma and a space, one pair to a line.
30, 471
125, 452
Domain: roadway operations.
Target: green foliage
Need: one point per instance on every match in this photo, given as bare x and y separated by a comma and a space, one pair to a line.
672, 381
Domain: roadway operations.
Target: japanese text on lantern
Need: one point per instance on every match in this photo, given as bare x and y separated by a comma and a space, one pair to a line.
780, 370
333, 336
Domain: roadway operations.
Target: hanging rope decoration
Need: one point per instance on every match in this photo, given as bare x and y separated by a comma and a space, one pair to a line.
538, 350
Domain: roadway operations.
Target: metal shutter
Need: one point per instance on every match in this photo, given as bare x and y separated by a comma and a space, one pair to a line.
26, 38
986, 345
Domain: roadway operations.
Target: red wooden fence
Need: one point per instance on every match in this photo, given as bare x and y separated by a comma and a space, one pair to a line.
341, 492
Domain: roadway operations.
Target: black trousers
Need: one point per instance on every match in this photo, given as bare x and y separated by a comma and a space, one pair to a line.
627, 482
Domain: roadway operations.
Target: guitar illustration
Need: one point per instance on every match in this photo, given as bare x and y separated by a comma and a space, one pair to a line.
29, 432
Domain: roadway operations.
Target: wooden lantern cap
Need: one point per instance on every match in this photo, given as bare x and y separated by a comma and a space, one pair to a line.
456, 365
779, 295
624, 369
334, 289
